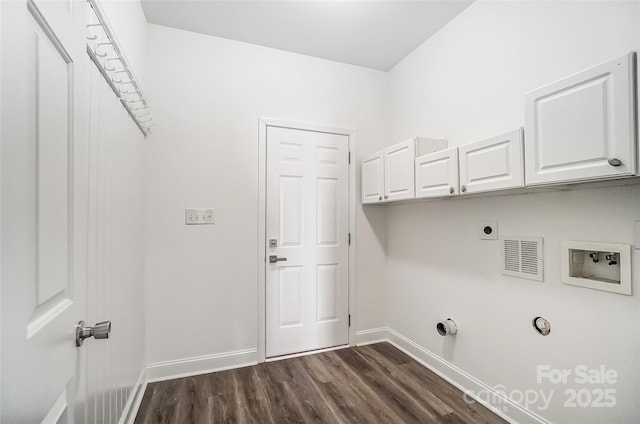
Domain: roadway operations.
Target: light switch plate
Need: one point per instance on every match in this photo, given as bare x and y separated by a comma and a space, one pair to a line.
198, 216
208, 216
488, 230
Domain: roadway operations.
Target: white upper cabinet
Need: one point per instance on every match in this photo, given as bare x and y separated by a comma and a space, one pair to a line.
373, 178
492, 164
437, 174
583, 127
389, 175
398, 166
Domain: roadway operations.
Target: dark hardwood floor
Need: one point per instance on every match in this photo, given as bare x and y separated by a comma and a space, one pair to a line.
368, 384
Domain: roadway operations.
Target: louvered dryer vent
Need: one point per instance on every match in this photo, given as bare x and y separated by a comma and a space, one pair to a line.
522, 257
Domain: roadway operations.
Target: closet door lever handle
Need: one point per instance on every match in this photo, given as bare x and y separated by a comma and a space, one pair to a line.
99, 331
274, 258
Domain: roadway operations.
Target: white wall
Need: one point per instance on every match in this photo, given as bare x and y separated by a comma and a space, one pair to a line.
467, 83
207, 95
116, 254
116, 220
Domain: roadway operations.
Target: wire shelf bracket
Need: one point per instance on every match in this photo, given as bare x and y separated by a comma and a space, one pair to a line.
107, 55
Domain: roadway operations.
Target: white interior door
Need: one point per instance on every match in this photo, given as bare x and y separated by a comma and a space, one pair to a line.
44, 210
307, 220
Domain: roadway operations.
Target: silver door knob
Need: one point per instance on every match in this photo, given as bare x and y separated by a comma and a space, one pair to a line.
614, 162
99, 331
274, 258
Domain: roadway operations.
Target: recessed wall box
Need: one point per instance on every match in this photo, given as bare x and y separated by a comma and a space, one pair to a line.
600, 266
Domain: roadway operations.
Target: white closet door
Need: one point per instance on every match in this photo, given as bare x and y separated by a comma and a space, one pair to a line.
44, 210
492, 164
373, 178
583, 126
437, 174
399, 171
307, 290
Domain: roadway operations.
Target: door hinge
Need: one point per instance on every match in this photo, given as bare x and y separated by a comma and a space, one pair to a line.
349, 320
349, 157
349, 239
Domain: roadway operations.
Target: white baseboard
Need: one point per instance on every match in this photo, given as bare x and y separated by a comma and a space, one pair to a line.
374, 335
135, 398
186, 367
499, 404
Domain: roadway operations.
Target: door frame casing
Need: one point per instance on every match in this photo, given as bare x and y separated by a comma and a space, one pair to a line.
264, 124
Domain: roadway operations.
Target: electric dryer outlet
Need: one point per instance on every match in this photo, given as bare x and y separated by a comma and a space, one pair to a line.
488, 230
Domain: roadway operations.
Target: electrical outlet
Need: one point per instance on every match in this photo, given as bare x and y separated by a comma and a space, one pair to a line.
488, 230
198, 216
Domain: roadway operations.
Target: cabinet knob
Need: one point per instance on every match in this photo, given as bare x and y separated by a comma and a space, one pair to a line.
451, 190
379, 197
614, 162
386, 196
463, 189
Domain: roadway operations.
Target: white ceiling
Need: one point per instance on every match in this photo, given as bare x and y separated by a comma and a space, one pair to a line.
374, 34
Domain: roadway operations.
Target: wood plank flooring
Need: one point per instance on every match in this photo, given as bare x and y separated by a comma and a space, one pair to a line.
365, 385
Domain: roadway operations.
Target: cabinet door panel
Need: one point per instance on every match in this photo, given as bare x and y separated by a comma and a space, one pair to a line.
577, 126
373, 178
437, 174
398, 171
492, 164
